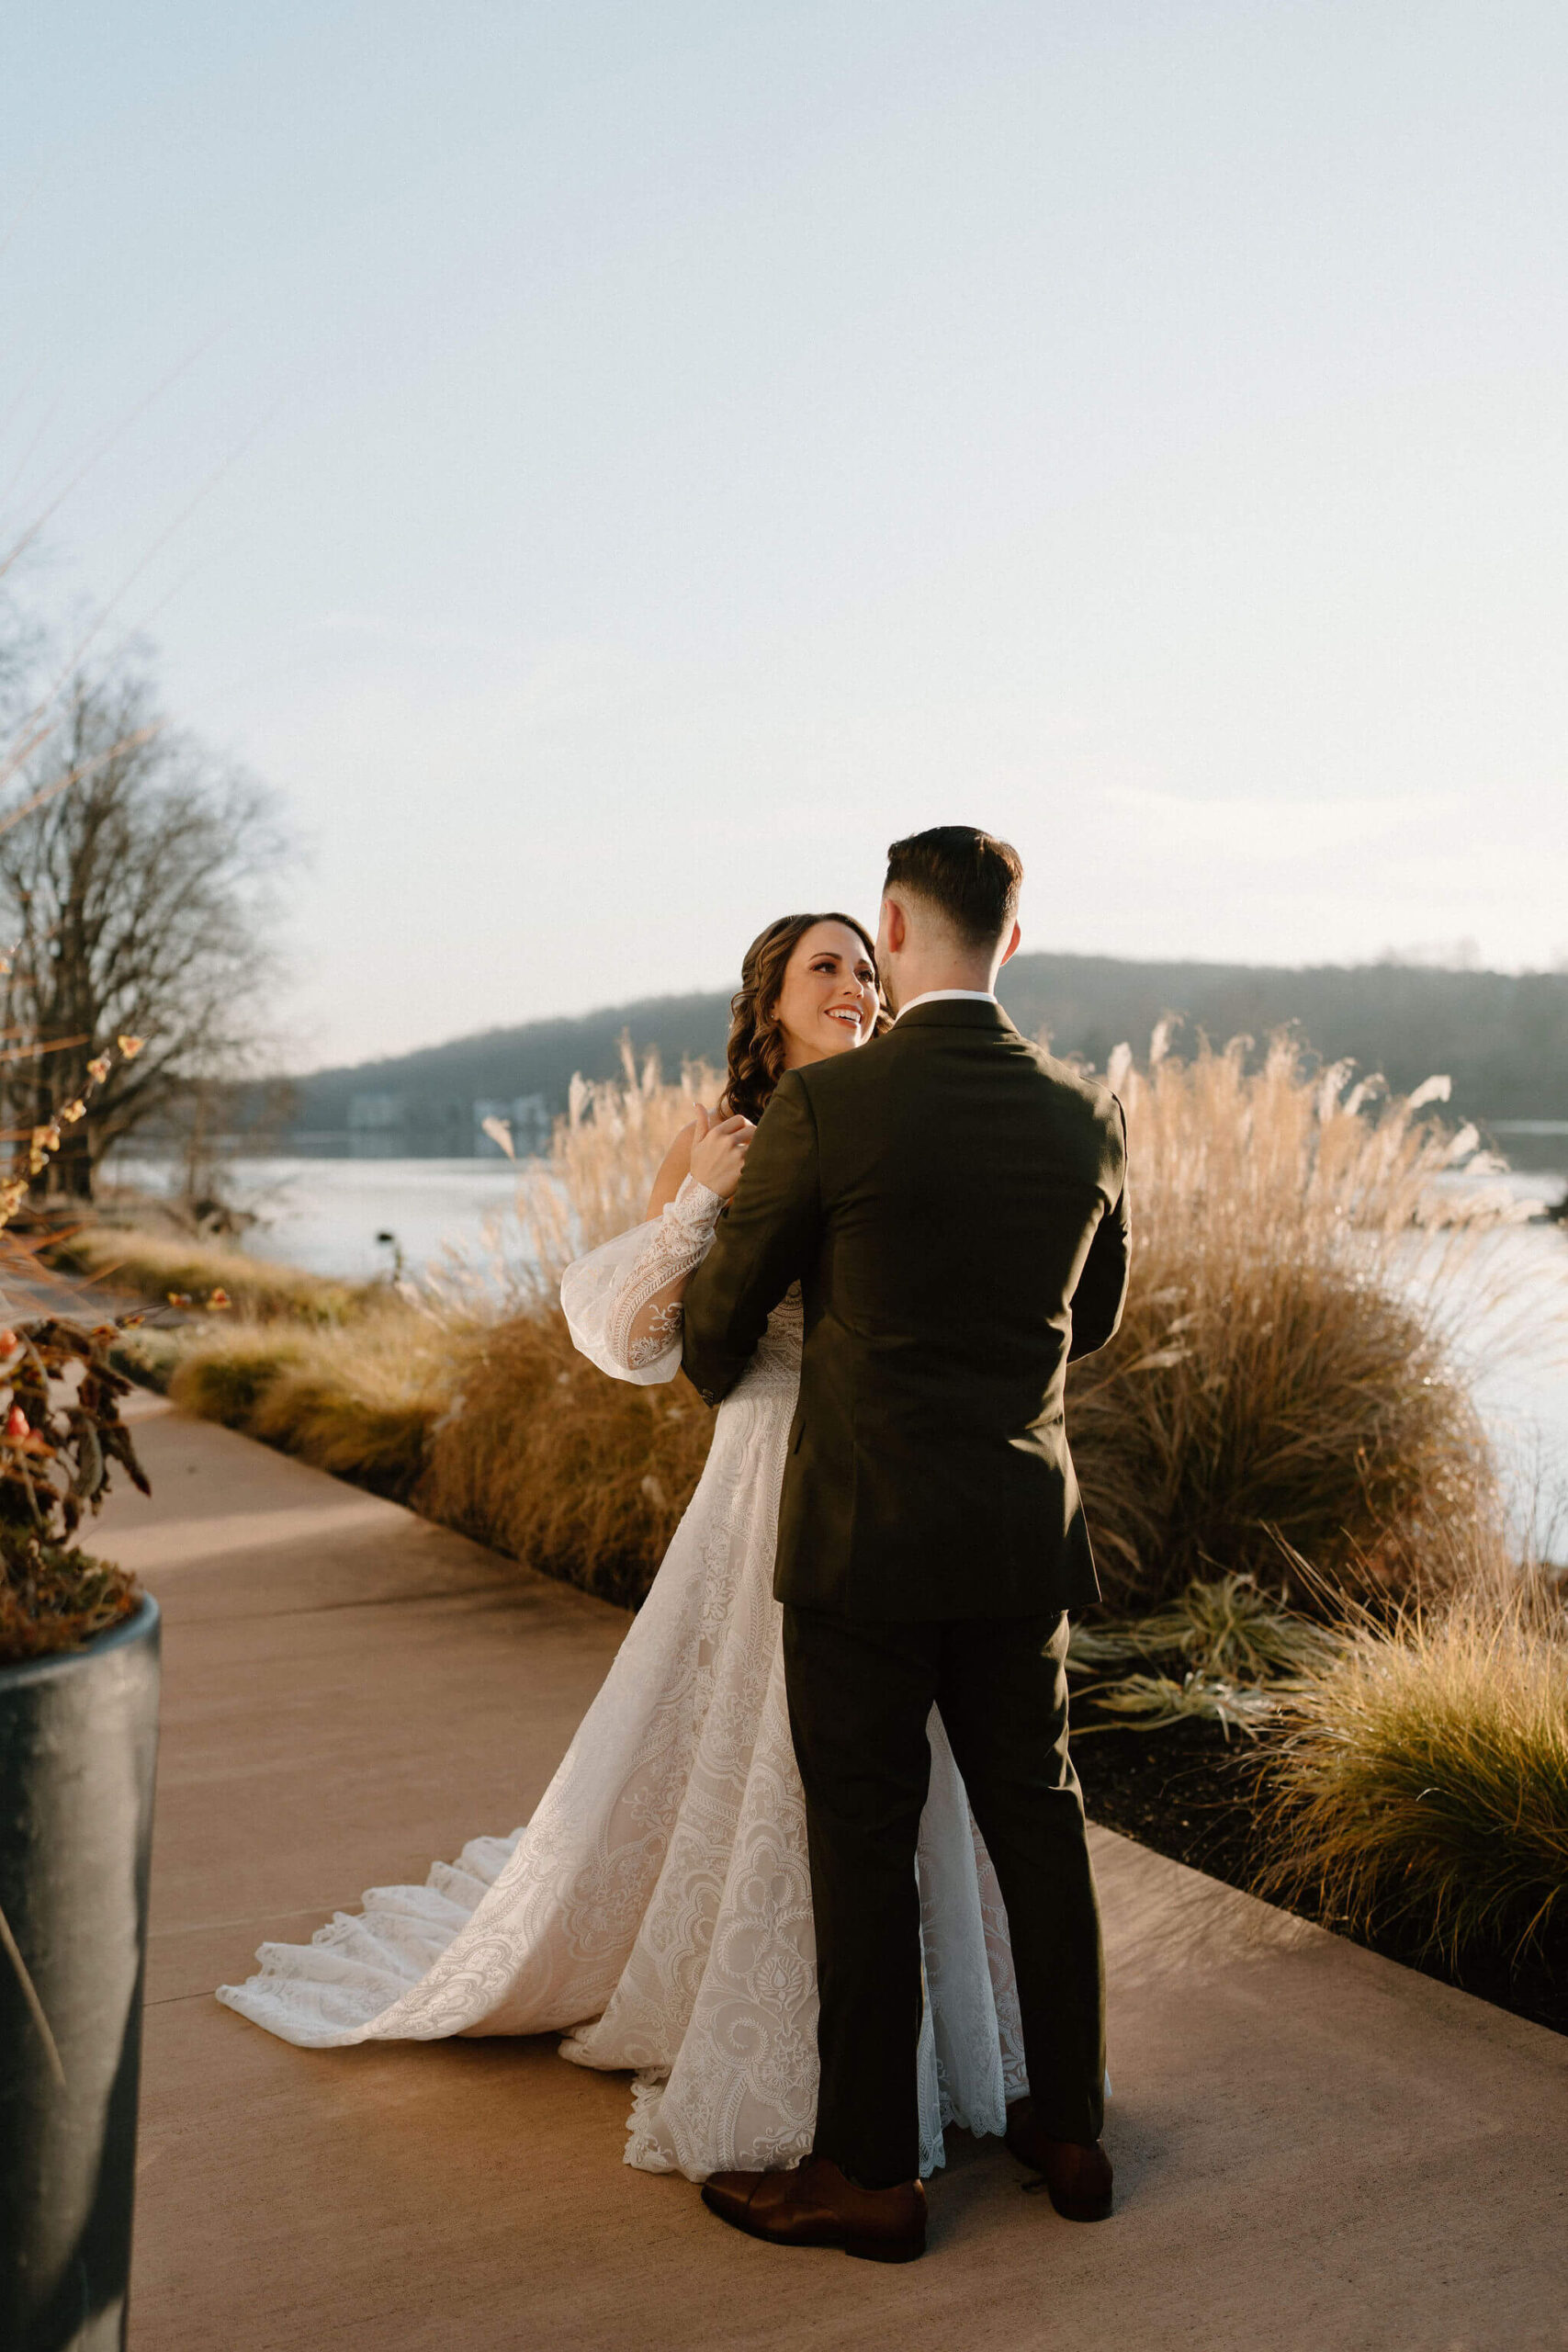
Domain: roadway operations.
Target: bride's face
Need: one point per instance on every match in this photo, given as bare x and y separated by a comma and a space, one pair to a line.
827, 1004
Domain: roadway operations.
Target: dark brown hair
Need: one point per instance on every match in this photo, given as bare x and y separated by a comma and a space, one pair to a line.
970, 878
756, 1052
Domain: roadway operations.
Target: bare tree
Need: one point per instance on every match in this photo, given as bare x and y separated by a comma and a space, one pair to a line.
136, 902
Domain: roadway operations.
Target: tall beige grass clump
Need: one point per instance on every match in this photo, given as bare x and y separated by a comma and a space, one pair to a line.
540, 1453
603, 1157
159, 1267
489, 1419
1285, 1367
1423, 1787
547, 1459
359, 1399
1284, 1372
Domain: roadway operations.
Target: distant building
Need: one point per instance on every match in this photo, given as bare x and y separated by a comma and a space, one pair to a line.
441, 1130
377, 1126
526, 1118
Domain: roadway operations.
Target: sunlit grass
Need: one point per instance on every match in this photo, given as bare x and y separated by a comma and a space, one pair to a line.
156, 1267
595, 1183
1281, 1371
1422, 1788
358, 1399
543, 1456
1286, 1365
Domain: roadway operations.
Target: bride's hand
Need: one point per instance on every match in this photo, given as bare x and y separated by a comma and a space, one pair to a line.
718, 1151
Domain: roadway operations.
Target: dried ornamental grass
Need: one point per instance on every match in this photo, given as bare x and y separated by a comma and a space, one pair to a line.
501, 1429
1423, 1790
540, 1453
164, 1269
596, 1183
547, 1458
1282, 1369
221, 1377
359, 1400
1286, 1362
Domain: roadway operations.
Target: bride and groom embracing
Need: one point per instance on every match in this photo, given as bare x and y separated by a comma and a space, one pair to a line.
814, 1868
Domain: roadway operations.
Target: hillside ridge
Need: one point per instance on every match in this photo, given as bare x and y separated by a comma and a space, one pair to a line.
1503, 1037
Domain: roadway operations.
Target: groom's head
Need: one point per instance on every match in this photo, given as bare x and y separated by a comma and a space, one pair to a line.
949, 911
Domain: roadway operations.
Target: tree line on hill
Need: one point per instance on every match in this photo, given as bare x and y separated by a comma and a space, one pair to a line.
1502, 1037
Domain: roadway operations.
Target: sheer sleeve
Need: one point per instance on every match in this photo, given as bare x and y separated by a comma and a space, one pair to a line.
623, 1301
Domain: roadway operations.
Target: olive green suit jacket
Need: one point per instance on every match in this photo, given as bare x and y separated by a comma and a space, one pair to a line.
953, 1204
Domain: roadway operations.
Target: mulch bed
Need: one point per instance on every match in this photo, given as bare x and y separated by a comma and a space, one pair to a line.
1188, 1793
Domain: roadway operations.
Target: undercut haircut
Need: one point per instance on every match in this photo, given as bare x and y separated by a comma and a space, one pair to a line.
971, 879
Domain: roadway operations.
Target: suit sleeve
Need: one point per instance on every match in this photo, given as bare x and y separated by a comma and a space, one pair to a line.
1102, 1291
766, 1239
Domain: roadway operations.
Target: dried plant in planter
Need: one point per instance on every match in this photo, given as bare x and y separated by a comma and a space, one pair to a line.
61, 1431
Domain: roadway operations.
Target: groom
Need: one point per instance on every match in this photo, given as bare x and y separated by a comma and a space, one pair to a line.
954, 1203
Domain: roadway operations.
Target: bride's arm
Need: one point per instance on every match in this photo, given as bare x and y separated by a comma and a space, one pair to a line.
623, 1302
766, 1243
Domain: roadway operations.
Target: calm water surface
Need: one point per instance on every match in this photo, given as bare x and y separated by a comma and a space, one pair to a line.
326, 1215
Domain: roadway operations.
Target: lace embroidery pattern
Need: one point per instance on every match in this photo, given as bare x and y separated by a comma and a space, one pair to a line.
676, 1242
663, 1332
657, 1910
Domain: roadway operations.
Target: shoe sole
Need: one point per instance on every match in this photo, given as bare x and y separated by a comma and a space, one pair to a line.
862, 2249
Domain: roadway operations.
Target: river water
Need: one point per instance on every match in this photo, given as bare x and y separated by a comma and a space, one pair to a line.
352, 1216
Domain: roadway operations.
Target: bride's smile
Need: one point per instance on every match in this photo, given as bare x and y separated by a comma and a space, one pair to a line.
829, 1001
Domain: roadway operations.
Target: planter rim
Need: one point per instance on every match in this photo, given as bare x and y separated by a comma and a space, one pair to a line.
143, 1622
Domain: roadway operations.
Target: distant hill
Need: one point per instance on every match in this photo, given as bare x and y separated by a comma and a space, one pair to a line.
1503, 1037
429, 1098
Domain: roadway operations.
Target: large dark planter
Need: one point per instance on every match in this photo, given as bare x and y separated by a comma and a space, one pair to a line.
78, 1745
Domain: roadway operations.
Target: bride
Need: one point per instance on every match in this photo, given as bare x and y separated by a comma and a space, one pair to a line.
657, 1910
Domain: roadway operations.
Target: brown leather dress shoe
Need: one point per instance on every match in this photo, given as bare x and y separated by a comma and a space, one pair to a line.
1076, 2177
815, 2205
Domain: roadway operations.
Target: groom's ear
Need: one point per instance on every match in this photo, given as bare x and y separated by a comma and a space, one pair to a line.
895, 925
1013, 945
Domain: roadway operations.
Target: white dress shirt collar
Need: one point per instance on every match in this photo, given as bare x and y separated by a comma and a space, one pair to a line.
944, 996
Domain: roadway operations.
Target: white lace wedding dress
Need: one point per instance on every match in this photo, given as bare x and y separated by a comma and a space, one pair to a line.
657, 1910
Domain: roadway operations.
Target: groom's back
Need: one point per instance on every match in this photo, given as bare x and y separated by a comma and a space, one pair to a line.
970, 1188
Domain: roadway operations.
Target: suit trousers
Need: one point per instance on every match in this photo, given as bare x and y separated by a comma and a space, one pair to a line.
860, 1691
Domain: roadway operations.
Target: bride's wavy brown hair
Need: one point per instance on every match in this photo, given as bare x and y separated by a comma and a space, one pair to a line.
755, 1056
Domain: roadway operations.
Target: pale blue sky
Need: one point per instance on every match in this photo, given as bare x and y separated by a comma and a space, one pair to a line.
646, 455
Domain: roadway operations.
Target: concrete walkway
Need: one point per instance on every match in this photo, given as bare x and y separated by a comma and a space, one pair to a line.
1314, 2147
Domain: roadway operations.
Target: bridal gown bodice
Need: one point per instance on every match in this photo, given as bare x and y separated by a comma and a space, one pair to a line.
657, 1908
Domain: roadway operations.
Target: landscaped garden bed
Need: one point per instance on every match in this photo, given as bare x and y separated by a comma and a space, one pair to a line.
1190, 1792
1319, 1672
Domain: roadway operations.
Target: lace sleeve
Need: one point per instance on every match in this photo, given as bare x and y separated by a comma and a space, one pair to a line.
623, 1301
